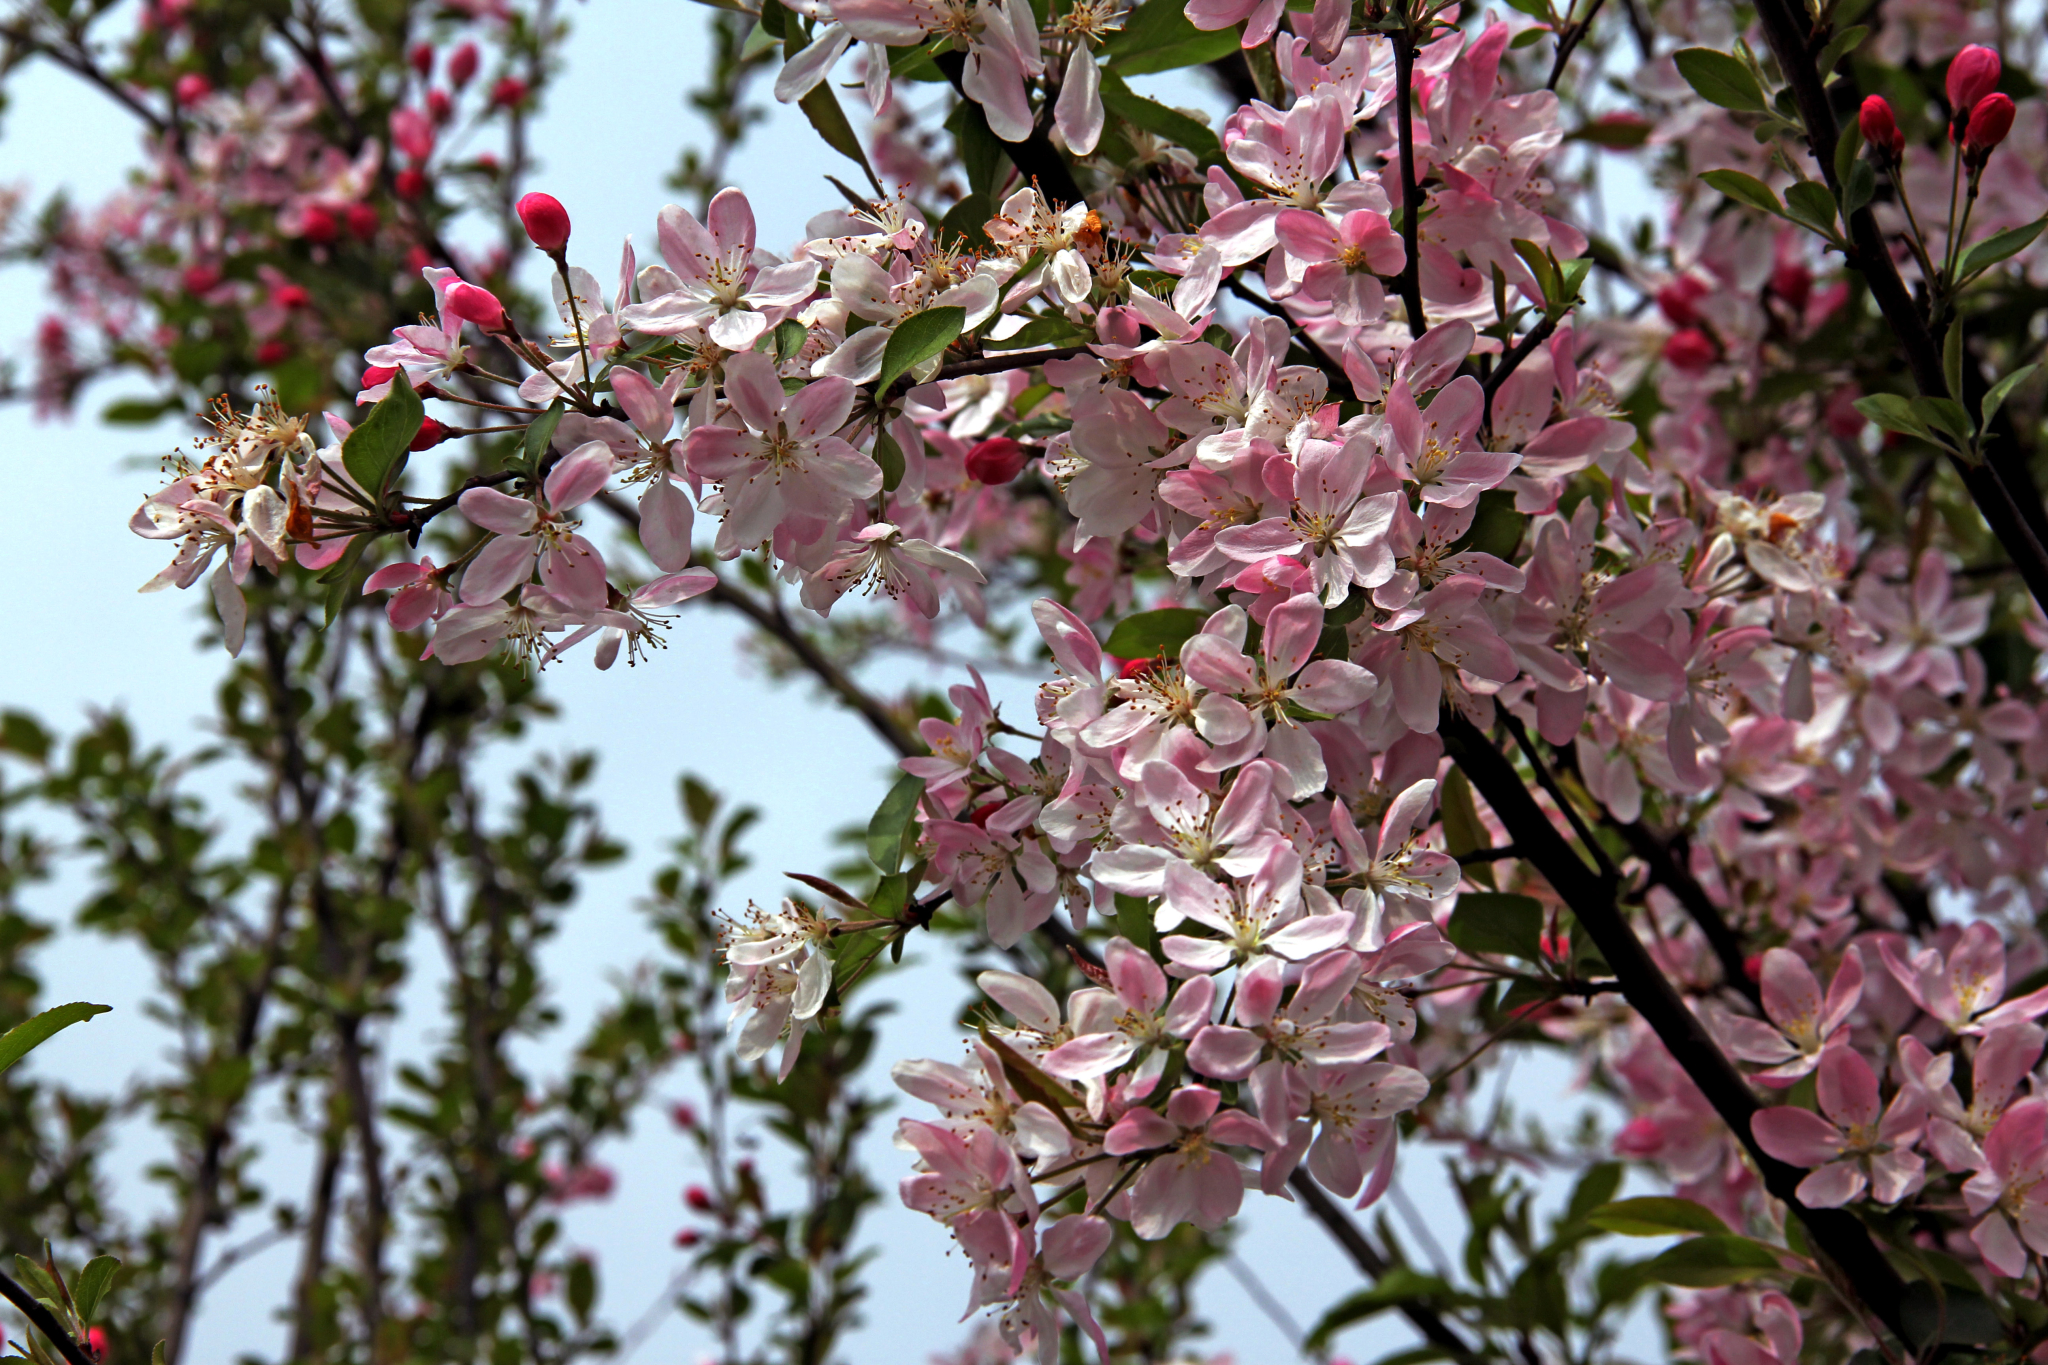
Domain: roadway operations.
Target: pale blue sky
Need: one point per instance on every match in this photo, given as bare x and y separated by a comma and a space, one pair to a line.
85, 639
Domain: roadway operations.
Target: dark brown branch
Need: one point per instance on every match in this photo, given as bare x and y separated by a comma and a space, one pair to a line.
1370, 1262
1512, 361
1573, 35
1837, 1236
40, 1316
1035, 158
1003, 362
1410, 281
1993, 484
1667, 869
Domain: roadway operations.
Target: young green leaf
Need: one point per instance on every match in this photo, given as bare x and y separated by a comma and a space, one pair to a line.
889, 456
2002, 390
1859, 187
2003, 246
541, 433
1894, 413
1809, 202
1655, 1216
1496, 924
821, 107
32, 1032
1711, 1261
1151, 633
1840, 46
93, 1283
1745, 189
375, 452
1121, 102
1720, 79
891, 820
918, 338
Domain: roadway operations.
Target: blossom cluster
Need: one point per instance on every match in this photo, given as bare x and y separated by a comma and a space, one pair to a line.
1332, 388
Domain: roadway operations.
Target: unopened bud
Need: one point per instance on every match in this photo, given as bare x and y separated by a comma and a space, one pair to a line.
698, 1198
997, 460
546, 222
1880, 129
509, 92
462, 65
191, 88
473, 303
1972, 75
431, 434
1690, 349
1990, 120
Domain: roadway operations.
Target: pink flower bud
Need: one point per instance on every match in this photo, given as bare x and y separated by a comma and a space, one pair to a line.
422, 59
997, 460
1676, 299
474, 304
688, 1238
462, 66
1690, 349
1793, 283
509, 92
191, 88
362, 221
379, 374
1990, 120
683, 1116
1880, 129
290, 296
431, 434
317, 225
546, 221
410, 183
201, 276
273, 352
698, 1198
1972, 75
439, 107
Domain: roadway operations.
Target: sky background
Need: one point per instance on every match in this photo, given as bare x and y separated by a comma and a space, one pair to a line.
82, 639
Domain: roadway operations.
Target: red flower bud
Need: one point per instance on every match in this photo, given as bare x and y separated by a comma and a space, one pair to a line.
1676, 299
1990, 120
1972, 75
698, 1198
431, 434
1137, 668
978, 817
273, 352
411, 183
1880, 129
290, 296
191, 88
682, 1116
201, 276
509, 92
422, 59
997, 460
378, 374
688, 1238
462, 65
439, 107
1793, 283
1690, 349
96, 1342
472, 303
546, 221
317, 225
362, 221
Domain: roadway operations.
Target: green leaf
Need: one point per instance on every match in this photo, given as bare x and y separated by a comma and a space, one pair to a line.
1158, 37
1894, 413
1497, 528
1859, 187
583, 1276
968, 221
1151, 633
156, 1354
775, 20
1593, 1192
1711, 1261
891, 821
1463, 832
1840, 46
1810, 203
1119, 101
136, 411
32, 1274
340, 578
1540, 265
2009, 243
1847, 150
1497, 924
917, 339
1134, 920
789, 339
21, 733
821, 107
1615, 134
1720, 79
1039, 332
1399, 1285
2002, 390
889, 456
375, 452
31, 1033
540, 433
1945, 415
982, 153
1745, 189
1656, 1216
1955, 1318
93, 1283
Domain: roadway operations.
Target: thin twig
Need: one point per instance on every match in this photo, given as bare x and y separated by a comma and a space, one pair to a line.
32, 1309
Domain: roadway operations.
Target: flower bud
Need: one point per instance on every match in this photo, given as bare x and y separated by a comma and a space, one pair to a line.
422, 59
431, 434
290, 296
191, 88
546, 222
1972, 75
1137, 668
317, 225
410, 183
1793, 282
472, 303
682, 1116
698, 1198
439, 107
273, 352
462, 65
509, 92
1676, 299
1990, 120
1690, 349
200, 277
997, 460
1880, 129
688, 1238
362, 221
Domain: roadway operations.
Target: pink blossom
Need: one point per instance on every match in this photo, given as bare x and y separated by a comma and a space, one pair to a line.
527, 533
1854, 1147
1802, 1022
1188, 1179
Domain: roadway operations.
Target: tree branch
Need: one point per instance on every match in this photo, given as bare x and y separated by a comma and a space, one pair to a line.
34, 1311
1838, 1236
1370, 1262
1410, 280
1035, 158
